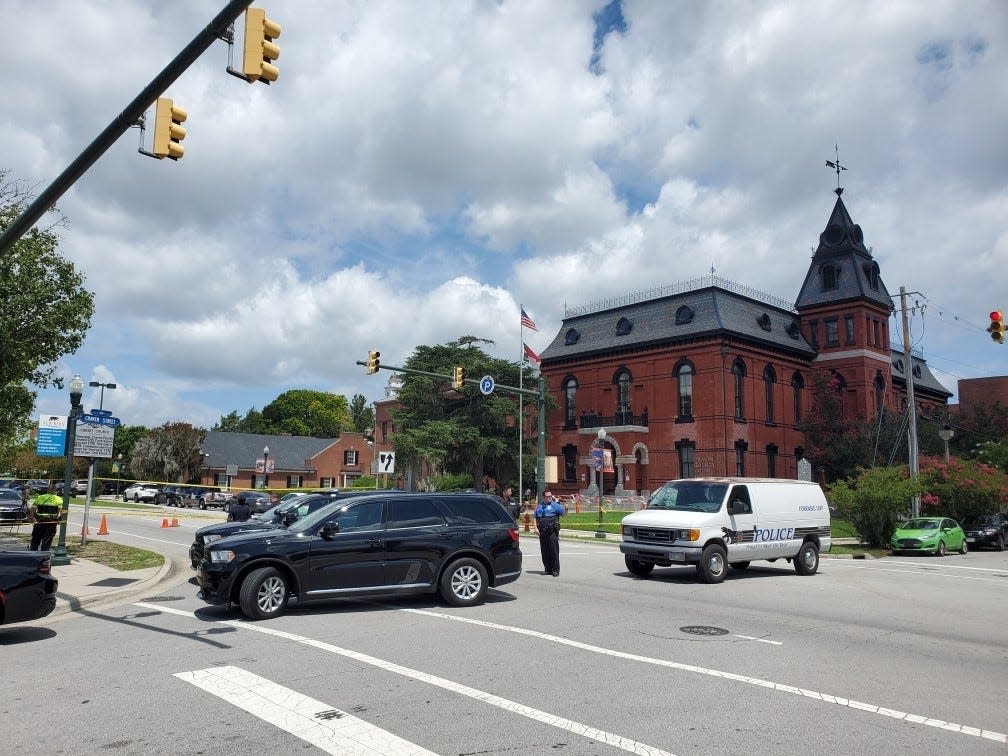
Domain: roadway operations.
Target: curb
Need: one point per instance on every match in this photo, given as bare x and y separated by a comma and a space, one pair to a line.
66, 604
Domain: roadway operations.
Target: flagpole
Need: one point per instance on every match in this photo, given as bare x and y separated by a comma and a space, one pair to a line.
521, 405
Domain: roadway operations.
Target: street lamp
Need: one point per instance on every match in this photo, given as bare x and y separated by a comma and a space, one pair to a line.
265, 467
600, 464
60, 556
945, 434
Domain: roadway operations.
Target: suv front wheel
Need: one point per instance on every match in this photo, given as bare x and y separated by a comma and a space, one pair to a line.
263, 594
464, 583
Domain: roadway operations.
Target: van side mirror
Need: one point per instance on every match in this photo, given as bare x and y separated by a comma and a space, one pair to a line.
736, 507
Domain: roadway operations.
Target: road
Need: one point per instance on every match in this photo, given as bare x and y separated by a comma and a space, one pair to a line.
902, 655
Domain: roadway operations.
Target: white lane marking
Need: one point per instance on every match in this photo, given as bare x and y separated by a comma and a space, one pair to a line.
316, 723
761, 640
131, 535
577, 728
998, 737
938, 573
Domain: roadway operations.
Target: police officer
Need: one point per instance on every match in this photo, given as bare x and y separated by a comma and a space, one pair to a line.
547, 525
45, 512
239, 510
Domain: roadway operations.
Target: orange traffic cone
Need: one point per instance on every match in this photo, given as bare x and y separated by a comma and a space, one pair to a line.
103, 527
164, 522
174, 522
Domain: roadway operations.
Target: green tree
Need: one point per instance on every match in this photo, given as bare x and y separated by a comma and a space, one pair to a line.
458, 432
874, 501
303, 412
961, 486
44, 314
361, 415
170, 453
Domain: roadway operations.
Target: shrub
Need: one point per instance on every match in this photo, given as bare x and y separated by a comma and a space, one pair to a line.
874, 502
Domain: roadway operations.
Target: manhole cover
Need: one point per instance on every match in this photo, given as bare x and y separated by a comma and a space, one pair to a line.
703, 630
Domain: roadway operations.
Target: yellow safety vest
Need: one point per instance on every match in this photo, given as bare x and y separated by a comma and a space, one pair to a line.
48, 508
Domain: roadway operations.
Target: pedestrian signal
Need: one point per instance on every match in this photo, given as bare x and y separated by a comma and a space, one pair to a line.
997, 326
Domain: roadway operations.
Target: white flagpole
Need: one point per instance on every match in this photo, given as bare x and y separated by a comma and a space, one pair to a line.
521, 405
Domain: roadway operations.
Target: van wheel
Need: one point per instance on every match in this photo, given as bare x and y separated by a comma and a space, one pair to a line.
712, 564
464, 583
806, 561
639, 568
740, 565
263, 594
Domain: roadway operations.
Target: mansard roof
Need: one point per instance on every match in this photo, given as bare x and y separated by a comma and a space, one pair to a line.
842, 267
701, 313
923, 379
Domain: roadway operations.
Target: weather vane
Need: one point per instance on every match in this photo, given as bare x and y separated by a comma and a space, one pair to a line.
837, 167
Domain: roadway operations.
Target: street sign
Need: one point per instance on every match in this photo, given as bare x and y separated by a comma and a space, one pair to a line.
51, 441
93, 419
386, 462
94, 441
232, 470
486, 385
105, 412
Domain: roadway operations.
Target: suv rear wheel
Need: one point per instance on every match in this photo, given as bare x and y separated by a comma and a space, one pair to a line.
464, 583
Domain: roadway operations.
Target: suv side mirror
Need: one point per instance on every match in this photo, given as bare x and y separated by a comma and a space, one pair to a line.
329, 530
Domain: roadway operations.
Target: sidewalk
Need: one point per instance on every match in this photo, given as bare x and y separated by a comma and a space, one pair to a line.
84, 583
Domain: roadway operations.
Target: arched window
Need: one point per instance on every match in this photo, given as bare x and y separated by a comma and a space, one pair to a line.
797, 385
771, 460
879, 394
740, 451
570, 463
738, 373
570, 386
769, 379
623, 381
684, 377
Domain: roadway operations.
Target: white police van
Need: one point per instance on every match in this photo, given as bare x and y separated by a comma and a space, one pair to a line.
714, 522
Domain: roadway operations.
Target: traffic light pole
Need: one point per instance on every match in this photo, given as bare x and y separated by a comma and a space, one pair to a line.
214, 30
540, 396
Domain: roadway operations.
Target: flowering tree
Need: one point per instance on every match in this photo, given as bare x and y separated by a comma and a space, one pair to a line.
961, 486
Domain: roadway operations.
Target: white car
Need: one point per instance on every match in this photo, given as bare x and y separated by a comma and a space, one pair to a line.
141, 492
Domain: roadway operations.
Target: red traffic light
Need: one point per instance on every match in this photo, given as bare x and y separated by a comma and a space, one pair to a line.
996, 316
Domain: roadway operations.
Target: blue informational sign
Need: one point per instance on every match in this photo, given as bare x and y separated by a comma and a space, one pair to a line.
486, 385
51, 440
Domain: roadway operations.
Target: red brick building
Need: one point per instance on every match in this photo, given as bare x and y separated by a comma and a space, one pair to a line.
711, 377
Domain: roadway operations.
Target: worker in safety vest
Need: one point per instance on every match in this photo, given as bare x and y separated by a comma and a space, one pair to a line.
45, 512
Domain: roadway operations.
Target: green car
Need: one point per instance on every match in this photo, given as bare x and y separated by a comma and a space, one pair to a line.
933, 535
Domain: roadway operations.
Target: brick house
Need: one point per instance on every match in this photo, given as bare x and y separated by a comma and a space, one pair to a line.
291, 462
710, 377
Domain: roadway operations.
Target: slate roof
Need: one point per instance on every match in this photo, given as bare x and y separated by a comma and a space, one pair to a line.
663, 321
288, 453
841, 244
923, 377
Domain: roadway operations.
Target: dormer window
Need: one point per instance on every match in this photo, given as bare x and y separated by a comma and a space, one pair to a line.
793, 330
684, 315
624, 326
571, 337
829, 277
871, 271
763, 321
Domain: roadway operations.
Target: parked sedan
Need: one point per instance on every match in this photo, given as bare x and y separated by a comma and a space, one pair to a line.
258, 501
141, 492
931, 535
27, 586
12, 507
986, 530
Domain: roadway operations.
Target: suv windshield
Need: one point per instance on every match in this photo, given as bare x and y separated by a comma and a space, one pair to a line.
689, 496
979, 520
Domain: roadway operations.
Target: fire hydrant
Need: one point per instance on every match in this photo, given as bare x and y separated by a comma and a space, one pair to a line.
528, 520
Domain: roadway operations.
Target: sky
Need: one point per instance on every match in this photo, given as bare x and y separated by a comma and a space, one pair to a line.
420, 171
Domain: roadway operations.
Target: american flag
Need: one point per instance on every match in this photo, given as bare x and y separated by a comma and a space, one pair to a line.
527, 322
530, 355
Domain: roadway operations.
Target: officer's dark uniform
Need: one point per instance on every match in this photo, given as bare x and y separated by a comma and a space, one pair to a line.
239, 511
547, 516
48, 510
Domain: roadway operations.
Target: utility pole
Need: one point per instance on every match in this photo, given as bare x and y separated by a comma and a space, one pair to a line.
912, 404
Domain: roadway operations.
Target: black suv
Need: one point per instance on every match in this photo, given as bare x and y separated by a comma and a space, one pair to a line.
456, 544
985, 530
279, 516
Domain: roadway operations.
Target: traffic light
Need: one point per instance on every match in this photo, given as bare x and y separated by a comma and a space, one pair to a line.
372, 361
260, 51
459, 379
168, 130
997, 327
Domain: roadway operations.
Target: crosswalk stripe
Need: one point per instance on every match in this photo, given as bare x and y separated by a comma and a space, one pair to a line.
329, 729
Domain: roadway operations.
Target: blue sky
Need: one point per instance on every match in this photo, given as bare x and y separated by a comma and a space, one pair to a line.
417, 173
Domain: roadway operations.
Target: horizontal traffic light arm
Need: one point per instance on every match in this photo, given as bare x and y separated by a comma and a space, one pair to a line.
447, 377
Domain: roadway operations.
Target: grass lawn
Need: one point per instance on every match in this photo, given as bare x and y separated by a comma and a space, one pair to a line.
104, 552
